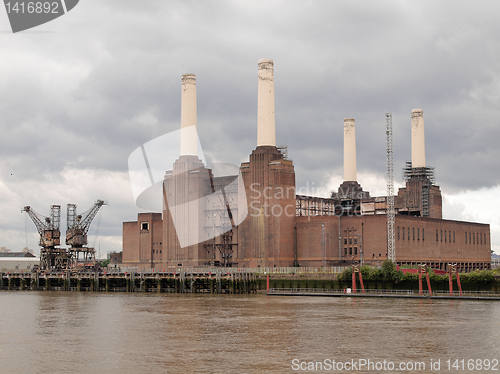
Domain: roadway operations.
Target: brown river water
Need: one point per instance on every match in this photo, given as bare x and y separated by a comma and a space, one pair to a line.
70, 332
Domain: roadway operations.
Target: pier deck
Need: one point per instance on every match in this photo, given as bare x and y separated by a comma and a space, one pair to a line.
218, 282
466, 295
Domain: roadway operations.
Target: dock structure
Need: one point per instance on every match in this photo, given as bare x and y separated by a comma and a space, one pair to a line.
390, 293
180, 281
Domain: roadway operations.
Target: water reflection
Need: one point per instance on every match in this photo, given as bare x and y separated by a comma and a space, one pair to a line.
60, 332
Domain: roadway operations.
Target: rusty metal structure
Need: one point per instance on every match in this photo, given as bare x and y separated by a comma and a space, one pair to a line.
220, 222
76, 234
51, 256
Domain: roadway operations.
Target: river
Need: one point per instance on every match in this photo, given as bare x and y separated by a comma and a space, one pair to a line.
70, 332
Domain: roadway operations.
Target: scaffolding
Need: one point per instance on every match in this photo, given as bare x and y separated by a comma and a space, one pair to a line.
220, 222
283, 149
425, 177
421, 174
391, 245
316, 206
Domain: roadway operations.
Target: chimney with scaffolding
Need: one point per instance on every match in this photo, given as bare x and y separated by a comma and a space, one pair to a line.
420, 197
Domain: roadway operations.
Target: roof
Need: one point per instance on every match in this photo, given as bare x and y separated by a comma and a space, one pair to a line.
16, 254
19, 259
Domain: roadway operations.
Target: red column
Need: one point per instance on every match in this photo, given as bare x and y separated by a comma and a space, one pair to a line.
420, 288
353, 280
459, 285
267, 283
429, 284
361, 281
451, 283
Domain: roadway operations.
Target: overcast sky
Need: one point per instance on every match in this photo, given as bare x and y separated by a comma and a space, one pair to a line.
79, 94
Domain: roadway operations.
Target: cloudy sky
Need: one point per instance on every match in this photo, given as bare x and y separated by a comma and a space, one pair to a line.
79, 94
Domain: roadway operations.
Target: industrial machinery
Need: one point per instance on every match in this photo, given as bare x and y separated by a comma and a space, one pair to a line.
76, 234
51, 257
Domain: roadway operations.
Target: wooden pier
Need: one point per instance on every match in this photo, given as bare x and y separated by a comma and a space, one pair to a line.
219, 282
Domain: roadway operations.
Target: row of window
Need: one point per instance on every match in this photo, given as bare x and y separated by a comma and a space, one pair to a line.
351, 250
447, 236
439, 236
411, 233
475, 238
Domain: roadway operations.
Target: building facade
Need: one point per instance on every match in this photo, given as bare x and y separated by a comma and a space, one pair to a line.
255, 219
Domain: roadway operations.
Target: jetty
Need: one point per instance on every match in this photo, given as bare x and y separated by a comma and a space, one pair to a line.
218, 281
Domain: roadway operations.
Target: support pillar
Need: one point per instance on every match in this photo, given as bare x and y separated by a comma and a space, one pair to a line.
459, 284
420, 288
450, 281
353, 279
429, 284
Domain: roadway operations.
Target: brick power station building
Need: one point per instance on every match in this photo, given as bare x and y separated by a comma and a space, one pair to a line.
255, 218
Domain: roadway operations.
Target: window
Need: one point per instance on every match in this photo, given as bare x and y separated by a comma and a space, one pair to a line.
355, 240
355, 250
423, 236
350, 250
465, 238
160, 251
470, 240
449, 235
345, 251
350, 240
453, 236
418, 234
408, 233
441, 235
473, 238
403, 233
484, 238
414, 233
481, 239
144, 225
398, 232
477, 238
437, 235
345, 241
445, 236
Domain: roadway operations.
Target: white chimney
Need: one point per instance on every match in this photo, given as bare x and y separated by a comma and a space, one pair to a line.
266, 127
417, 138
189, 142
349, 150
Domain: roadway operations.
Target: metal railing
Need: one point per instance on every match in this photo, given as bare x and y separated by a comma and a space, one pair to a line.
346, 291
468, 293
232, 270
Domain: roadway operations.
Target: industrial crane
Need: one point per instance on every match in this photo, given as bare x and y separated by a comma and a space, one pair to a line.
51, 257
76, 233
